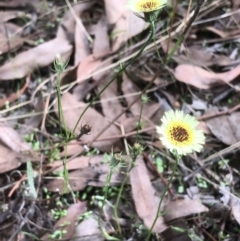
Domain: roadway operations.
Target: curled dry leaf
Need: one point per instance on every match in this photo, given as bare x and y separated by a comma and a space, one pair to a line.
73, 110
144, 198
68, 222
224, 127
202, 78
182, 208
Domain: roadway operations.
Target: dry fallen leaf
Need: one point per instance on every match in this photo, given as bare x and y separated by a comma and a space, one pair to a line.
40, 56
9, 15
10, 37
90, 171
9, 159
78, 162
19, 3
144, 196
202, 78
88, 230
87, 66
72, 148
73, 110
15, 96
151, 111
101, 42
78, 180
224, 127
68, 24
82, 47
182, 208
12, 139
235, 205
101, 47
127, 24
195, 55
68, 222
111, 106
25, 62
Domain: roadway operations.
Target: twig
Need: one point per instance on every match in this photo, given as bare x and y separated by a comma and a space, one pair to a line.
215, 114
205, 231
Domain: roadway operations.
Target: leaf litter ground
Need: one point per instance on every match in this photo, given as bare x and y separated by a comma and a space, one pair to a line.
202, 78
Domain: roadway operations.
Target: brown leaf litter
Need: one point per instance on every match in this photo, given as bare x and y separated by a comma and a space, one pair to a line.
25, 62
225, 127
146, 202
84, 171
126, 23
68, 222
204, 79
73, 110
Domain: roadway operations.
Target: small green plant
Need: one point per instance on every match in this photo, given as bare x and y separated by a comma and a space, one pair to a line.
201, 183
30, 138
160, 165
85, 215
193, 236
222, 236
47, 193
59, 212
58, 234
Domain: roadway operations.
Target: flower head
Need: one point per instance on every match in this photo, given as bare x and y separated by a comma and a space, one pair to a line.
146, 5
178, 133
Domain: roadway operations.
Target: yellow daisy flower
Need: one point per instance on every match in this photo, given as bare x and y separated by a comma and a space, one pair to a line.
178, 133
146, 5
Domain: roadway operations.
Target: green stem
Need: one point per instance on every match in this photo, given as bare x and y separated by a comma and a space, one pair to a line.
151, 34
115, 214
119, 72
109, 176
139, 121
61, 118
163, 195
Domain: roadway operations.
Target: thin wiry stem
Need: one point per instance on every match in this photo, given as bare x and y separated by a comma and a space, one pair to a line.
163, 195
118, 72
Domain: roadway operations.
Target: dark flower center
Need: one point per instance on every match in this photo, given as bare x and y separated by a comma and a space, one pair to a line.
179, 134
149, 5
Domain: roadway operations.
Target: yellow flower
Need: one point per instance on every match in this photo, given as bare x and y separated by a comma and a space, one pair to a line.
178, 133
146, 5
